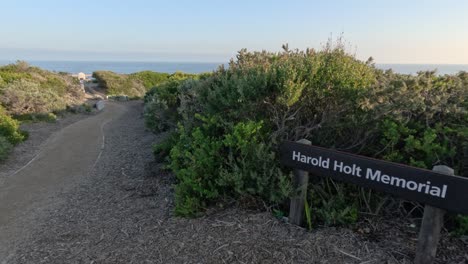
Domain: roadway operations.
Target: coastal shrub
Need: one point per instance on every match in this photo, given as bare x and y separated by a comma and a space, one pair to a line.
26, 97
251, 168
461, 225
49, 117
139, 84
5, 148
161, 106
270, 87
326, 96
58, 83
9, 128
179, 94
163, 101
119, 84
150, 78
25, 89
246, 166
332, 203
10, 73
162, 149
195, 158
422, 119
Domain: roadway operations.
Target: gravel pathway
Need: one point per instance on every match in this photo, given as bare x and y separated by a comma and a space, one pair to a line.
121, 212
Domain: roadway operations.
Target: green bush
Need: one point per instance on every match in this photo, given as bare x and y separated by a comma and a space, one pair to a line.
326, 96
246, 166
119, 84
461, 228
26, 90
162, 149
5, 148
161, 106
10, 134
333, 204
149, 78
49, 117
27, 97
9, 129
136, 84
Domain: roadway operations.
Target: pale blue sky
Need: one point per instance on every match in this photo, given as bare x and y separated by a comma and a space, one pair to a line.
392, 31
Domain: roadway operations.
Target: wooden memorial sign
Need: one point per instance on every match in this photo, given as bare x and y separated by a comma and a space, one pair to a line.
425, 186
437, 189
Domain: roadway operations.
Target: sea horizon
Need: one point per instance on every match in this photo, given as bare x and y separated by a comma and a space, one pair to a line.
126, 67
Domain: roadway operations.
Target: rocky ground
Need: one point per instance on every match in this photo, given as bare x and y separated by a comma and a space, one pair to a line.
122, 213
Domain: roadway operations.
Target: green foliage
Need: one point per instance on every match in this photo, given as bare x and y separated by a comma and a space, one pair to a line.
9, 129
333, 204
218, 162
49, 117
120, 84
461, 228
251, 167
136, 85
5, 148
27, 97
180, 76
31, 94
162, 103
150, 78
162, 149
421, 119
195, 160
418, 146
326, 96
161, 106
30, 90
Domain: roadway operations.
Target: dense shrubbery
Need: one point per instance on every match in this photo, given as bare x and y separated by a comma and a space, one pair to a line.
119, 84
27, 97
245, 166
9, 128
29, 90
231, 123
150, 79
31, 93
9, 134
161, 101
136, 84
5, 148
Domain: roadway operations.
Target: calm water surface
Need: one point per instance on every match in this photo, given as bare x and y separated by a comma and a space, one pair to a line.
199, 67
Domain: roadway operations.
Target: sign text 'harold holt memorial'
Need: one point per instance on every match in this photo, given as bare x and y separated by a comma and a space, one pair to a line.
443, 191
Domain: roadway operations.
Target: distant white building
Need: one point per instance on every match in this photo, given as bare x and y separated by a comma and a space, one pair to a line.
81, 76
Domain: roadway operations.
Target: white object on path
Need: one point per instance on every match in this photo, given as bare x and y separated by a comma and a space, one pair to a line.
100, 105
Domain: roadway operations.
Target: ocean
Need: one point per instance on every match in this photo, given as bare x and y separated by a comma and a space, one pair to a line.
89, 67
198, 67
414, 68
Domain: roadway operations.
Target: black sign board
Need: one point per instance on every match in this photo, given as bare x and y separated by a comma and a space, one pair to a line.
429, 187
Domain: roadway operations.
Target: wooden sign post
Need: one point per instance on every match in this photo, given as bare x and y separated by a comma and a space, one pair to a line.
300, 182
439, 189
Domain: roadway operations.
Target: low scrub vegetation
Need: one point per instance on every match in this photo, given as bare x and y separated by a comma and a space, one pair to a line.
30, 93
10, 134
226, 128
134, 85
30, 90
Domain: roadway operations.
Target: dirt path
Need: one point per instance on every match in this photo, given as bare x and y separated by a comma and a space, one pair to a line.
119, 210
63, 160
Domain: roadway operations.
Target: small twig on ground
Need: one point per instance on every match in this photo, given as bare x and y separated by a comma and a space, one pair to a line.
347, 254
223, 246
